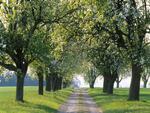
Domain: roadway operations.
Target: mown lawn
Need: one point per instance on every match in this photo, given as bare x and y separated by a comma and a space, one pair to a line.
34, 103
118, 103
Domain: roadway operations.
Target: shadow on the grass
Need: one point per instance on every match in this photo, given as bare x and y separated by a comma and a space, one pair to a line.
41, 107
118, 103
121, 111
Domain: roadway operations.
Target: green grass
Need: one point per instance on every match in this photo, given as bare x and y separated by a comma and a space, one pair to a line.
34, 103
118, 103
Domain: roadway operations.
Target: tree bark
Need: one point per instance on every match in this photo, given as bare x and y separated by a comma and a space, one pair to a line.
57, 82
110, 86
53, 82
48, 83
40, 90
20, 87
92, 84
145, 84
66, 84
118, 83
60, 83
135, 82
105, 84
111, 79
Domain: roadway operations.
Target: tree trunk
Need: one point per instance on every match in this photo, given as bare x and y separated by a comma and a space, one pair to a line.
62, 84
135, 82
20, 87
48, 83
105, 84
110, 86
145, 83
57, 82
40, 84
118, 80
66, 84
111, 79
92, 84
53, 82
118, 84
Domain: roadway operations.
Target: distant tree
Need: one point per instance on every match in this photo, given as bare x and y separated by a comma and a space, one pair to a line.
146, 66
145, 77
91, 75
106, 58
122, 76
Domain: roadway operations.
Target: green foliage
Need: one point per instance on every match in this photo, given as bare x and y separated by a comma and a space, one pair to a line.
1, 70
127, 25
106, 56
24, 27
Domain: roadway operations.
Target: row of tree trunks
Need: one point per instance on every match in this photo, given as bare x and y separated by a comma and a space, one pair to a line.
53, 82
48, 83
58, 83
134, 91
65, 84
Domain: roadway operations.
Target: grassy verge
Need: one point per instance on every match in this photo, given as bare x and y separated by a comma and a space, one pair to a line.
34, 103
118, 103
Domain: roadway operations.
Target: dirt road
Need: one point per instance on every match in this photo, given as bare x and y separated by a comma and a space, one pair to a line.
79, 102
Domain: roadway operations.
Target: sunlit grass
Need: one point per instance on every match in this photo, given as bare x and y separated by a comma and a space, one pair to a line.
34, 103
118, 103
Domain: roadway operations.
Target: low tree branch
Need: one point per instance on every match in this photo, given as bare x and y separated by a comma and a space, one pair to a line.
10, 67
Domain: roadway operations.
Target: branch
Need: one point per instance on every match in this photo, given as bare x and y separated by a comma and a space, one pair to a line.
146, 44
107, 30
31, 60
56, 20
10, 67
120, 79
148, 77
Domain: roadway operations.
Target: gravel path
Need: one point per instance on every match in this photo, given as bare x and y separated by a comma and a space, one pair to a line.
79, 102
